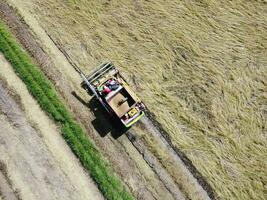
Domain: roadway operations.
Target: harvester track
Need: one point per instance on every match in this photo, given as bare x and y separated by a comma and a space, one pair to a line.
158, 130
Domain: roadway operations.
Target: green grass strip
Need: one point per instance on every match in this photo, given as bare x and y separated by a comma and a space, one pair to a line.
45, 94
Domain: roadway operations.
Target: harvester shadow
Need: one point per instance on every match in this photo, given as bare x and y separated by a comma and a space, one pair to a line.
103, 123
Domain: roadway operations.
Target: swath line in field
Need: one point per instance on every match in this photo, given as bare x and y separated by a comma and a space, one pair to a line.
178, 154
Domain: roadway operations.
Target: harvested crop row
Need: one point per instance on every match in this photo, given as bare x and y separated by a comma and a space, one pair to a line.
44, 92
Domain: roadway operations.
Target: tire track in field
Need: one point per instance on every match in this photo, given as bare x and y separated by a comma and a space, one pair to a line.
199, 182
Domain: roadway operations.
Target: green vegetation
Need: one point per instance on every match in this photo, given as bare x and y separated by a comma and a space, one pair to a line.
44, 92
200, 66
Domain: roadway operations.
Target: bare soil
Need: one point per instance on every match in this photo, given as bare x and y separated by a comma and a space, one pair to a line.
6, 190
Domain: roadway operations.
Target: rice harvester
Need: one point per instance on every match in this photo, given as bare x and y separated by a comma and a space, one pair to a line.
113, 93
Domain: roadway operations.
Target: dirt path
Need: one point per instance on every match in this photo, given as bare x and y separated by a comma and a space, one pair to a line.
137, 164
38, 162
6, 191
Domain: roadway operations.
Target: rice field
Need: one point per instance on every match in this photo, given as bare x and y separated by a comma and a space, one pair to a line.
45, 94
200, 66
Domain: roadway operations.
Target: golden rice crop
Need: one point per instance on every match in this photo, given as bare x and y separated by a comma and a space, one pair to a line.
200, 66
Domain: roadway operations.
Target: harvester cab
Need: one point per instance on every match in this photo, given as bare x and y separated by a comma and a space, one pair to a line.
114, 94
